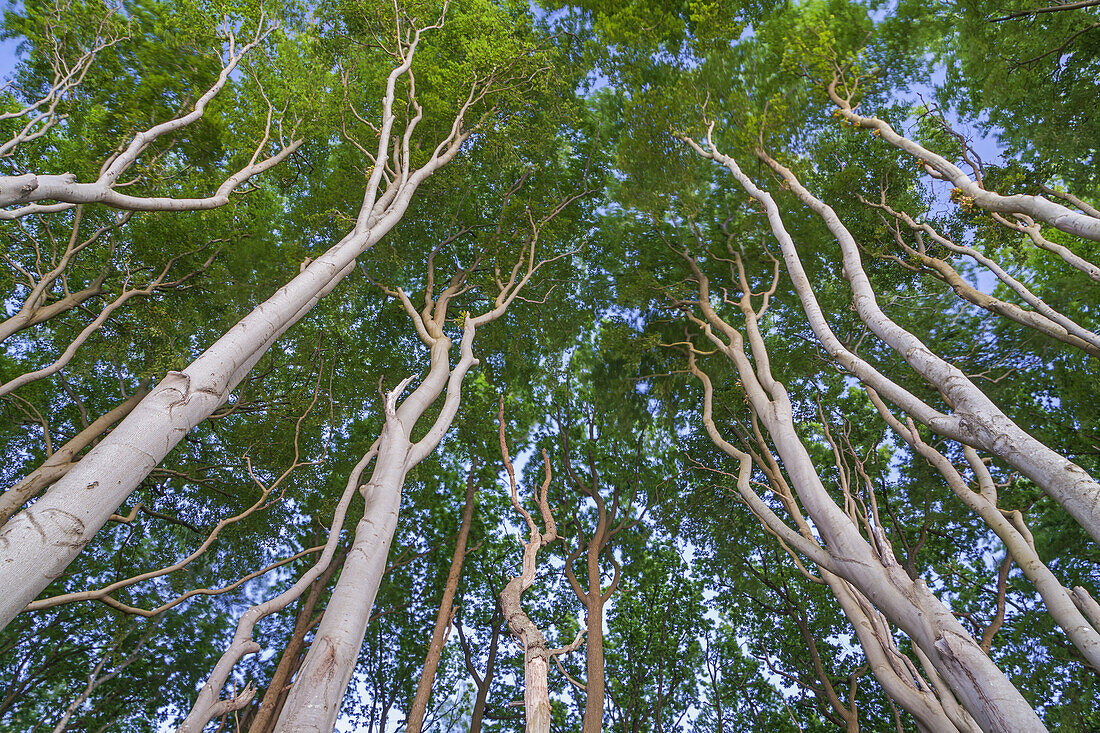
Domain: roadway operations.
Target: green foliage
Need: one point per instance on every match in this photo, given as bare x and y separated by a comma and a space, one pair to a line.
713, 626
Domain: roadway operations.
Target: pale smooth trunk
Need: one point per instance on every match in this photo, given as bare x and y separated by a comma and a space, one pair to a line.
314, 700
890, 671
37, 544
290, 660
1017, 540
976, 421
984, 690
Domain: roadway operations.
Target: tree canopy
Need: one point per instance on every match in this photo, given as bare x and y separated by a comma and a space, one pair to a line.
486, 365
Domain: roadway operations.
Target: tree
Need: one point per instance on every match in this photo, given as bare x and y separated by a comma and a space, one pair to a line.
177, 404
779, 319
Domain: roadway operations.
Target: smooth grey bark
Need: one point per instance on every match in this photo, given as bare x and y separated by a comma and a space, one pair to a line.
208, 704
1045, 319
314, 700
1012, 532
37, 544
1083, 225
981, 687
902, 683
290, 660
975, 420
315, 696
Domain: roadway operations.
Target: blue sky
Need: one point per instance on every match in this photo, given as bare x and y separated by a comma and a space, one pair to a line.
7, 56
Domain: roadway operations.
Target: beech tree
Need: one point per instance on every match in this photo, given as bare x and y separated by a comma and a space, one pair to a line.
382, 208
483, 365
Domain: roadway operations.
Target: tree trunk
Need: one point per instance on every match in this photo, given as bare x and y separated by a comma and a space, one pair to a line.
315, 704
594, 661
986, 694
314, 700
536, 652
898, 681
290, 661
984, 690
1019, 546
419, 705
484, 683
39, 543
536, 696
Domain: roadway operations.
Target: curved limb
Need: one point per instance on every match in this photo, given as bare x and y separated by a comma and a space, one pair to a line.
869, 567
1037, 207
26, 190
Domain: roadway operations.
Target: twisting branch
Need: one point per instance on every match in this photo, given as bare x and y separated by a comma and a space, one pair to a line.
998, 617
1046, 319
29, 188
614, 514
536, 651
36, 308
262, 502
1024, 224
156, 284
1057, 50
336, 643
150, 612
1070, 198
771, 521
976, 420
1011, 530
1037, 207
